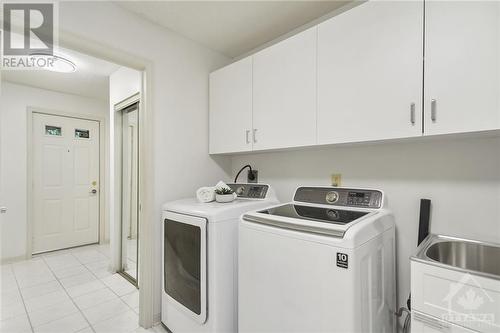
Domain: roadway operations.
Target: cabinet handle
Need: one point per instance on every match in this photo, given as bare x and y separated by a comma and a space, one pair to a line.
433, 110
412, 113
254, 135
247, 134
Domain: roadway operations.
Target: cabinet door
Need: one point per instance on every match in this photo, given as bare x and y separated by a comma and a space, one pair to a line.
231, 108
284, 93
462, 66
422, 323
370, 73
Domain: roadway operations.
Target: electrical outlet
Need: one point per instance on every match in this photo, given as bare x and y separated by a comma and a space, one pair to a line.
253, 176
336, 179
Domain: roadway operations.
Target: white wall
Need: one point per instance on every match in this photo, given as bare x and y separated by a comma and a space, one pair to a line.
123, 83
179, 99
461, 177
14, 102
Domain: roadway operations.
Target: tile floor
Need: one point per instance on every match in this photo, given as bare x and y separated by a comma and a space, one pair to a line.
68, 291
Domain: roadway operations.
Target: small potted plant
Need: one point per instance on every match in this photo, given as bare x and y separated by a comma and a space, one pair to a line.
224, 194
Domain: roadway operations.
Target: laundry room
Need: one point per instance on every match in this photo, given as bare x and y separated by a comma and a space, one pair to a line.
250, 166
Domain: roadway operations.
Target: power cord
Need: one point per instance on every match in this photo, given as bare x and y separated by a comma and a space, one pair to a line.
250, 174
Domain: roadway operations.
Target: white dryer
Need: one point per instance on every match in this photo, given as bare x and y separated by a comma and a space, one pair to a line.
200, 246
324, 262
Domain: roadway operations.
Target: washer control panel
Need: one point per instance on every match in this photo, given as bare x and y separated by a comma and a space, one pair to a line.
250, 191
340, 196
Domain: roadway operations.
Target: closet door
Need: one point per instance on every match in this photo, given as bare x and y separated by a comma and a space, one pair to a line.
231, 108
462, 69
370, 73
284, 93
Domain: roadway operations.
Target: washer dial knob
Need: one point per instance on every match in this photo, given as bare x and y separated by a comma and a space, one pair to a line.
332, 197
240, 190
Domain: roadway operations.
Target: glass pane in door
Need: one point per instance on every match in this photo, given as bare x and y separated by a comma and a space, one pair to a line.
182, 266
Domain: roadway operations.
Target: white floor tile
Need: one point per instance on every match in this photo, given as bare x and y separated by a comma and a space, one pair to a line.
70, 324
105, 310
5, 269
41, 289
12, 310
27, 280
124, 323
104, 249
118, 284
71, 271
9, 297
47, 300
97, 264
85, 288
33, 266
19, 324
61, 261
89, 256
159, 329
99, 268
132, 300
102, 273
49, 314
8, 283
49, 285
94, 298
76, 280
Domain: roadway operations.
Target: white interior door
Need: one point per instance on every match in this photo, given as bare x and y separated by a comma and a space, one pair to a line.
65, 182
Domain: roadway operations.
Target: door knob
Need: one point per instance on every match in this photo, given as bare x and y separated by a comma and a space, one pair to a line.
94, 191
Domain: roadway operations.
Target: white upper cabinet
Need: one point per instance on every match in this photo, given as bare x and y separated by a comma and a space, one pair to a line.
231, 108
284, 93
462, 43
374, 72
370, 73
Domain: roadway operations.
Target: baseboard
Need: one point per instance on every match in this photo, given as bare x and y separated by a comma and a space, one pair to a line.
11, 260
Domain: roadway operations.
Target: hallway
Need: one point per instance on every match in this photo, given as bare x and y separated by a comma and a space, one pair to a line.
67, 291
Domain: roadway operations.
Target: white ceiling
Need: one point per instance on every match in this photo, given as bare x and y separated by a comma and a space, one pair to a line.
90, 79
231, 27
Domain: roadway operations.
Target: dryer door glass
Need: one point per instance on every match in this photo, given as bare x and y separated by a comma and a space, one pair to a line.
182, 269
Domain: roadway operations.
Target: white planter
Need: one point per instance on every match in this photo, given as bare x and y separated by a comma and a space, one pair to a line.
225, 197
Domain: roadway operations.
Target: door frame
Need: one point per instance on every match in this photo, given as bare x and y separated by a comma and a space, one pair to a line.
147, 298
30, 111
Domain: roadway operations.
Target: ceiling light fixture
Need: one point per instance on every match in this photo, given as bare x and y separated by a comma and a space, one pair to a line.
54, 63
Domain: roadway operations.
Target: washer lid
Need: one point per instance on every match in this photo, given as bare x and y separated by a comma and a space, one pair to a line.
311, 213
312, 218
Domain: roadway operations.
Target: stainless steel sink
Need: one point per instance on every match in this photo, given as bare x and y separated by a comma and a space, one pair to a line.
459, 254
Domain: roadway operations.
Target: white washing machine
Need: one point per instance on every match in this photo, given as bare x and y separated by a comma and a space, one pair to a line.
200, 254
324, 262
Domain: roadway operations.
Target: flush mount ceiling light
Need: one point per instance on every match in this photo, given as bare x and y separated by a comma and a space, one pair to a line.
54, 63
